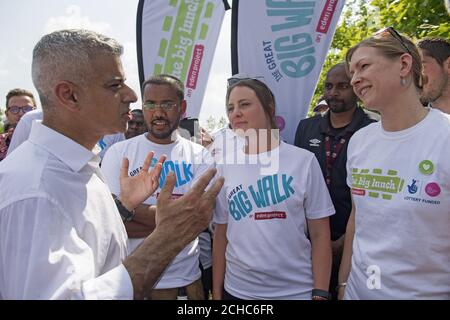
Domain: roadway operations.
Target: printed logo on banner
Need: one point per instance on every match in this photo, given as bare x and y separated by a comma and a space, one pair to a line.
292, 53
291, 39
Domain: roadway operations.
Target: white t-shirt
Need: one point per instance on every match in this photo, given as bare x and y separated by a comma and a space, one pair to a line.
265, 203
188, 160
107, 141
400, 183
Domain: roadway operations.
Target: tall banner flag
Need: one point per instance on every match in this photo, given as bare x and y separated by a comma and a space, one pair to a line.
286, 42
179, 37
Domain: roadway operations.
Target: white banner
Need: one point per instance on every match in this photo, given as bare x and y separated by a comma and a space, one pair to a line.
179, 37
286, 42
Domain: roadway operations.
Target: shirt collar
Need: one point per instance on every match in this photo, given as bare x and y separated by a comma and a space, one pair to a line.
65, 149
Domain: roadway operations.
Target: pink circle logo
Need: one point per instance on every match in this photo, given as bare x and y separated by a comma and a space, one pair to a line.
280, 122
433, 189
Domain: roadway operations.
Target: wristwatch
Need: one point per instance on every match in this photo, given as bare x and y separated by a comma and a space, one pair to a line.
126, 214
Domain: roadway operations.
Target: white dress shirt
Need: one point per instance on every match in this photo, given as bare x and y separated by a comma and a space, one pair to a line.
61, 236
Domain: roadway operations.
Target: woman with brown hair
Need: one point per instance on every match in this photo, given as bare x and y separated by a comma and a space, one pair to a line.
272, 235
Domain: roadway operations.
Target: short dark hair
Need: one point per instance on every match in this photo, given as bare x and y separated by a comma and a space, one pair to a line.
19, 92
166, 79
437, 48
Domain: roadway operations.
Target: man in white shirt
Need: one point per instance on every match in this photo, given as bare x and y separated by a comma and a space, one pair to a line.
163, 105
61, 236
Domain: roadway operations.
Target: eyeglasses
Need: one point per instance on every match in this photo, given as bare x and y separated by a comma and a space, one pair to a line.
394, 34
164, 105
243, 76
17, 109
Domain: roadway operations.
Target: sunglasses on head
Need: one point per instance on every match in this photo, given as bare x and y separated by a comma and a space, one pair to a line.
242, 76
17, 109
393, 33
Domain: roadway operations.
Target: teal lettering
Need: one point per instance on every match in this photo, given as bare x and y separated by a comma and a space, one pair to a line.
300, 69
297, 46
180, 180
268, 188
289, 4
233, 211
280, 198
299, 40
295, 18
258, 197
245, 203
295, 54
239, 205
187, 171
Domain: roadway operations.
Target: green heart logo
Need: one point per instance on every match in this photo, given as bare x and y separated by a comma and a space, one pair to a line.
426, 167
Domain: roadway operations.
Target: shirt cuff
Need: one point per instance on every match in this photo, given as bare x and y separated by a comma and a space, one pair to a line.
112, 285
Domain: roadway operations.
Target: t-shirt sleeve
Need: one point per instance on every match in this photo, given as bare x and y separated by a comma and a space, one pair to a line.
111, 169
44, 258
317, 203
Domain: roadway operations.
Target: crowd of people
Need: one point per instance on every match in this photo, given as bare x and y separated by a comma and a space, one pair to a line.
107, 203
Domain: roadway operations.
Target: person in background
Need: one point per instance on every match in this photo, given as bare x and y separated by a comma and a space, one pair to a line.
436, 73
18, 103
327, 136
272, 233
397, 239
137, 125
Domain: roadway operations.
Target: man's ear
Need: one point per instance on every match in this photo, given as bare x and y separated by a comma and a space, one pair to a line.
67, 94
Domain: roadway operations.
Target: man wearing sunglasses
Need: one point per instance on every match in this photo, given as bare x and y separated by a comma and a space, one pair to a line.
163, 107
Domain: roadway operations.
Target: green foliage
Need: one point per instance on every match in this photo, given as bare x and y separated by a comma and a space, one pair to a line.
212, 124
361, 18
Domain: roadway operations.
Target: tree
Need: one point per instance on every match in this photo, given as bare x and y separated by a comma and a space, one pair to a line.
360, 18
212, 124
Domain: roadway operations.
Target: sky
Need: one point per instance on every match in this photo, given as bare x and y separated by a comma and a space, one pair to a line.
24, 22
